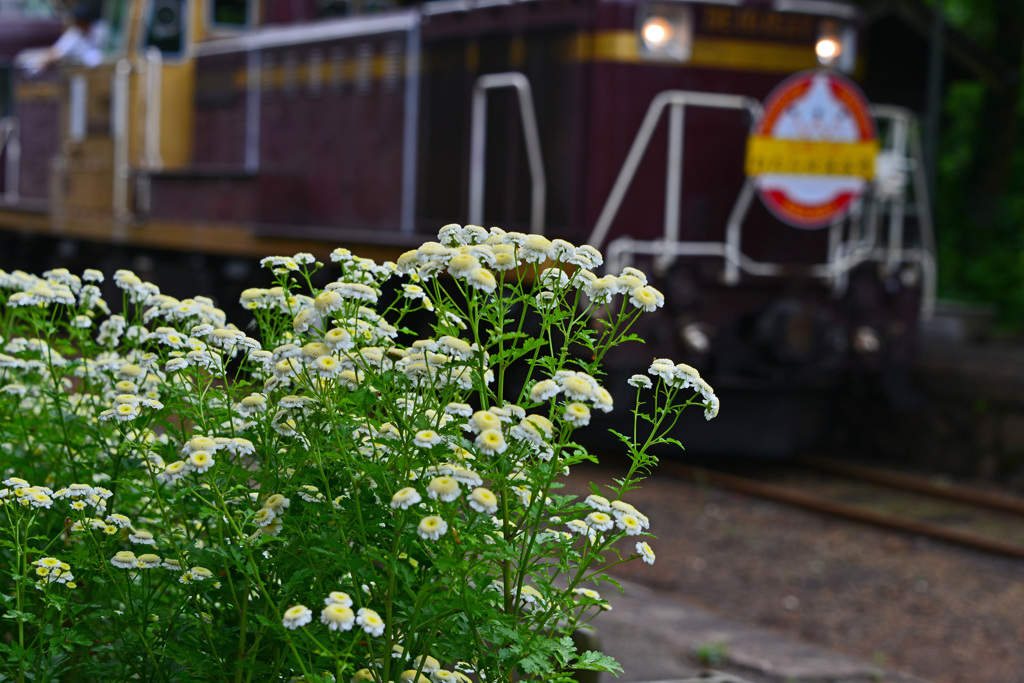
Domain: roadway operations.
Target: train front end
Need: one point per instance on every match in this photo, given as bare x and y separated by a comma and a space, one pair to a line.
723, 147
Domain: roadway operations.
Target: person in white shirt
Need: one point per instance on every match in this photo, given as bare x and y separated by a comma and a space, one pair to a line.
81, 43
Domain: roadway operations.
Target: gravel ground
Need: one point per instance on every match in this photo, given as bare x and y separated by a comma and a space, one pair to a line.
936, 611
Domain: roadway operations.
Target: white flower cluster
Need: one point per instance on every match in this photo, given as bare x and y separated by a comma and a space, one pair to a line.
337, 615
36, 496
51, 570
199, 452
270, 516
608, 515
681, 376
397, 444
472, 254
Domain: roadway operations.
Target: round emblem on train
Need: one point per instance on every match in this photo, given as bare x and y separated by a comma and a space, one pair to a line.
812, 152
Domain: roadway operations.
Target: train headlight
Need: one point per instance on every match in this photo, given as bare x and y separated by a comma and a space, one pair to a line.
657, 33
827, 49
836, 46
665, 31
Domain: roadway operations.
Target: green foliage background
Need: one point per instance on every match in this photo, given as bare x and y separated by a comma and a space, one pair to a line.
980, 239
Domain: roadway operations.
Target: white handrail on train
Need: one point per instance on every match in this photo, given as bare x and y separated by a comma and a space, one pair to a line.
678, 100
122, 167
10, 140
154, 75
410, 131
843, 255
531, 136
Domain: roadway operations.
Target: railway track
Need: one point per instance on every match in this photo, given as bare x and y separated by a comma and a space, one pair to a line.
982, 520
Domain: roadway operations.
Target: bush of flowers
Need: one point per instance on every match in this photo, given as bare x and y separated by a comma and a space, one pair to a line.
364, 488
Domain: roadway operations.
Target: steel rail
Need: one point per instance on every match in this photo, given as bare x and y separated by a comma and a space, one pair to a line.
844, 510
908, 482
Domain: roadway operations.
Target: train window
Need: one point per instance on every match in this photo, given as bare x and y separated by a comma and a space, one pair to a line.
665, 31
230, 13
115, 12
165, 28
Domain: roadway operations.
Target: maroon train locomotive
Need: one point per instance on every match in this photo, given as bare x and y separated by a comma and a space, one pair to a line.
235, 129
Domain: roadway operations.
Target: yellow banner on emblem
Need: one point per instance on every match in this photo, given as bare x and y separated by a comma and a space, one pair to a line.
771, 155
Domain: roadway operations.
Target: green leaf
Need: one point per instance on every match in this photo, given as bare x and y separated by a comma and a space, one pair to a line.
592, 660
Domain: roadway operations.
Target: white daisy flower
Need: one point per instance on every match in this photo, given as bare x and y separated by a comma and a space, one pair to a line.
296, 616
544, 390
603, 400
427, 438
119, 521
491, 442
432, 528
426, 663
629, 523
264, 517
483, 500
141, 537
370, 621
124, 559
483, 420
646, 298
640, 382
530, 595
326, 366
600, 521
200, 461
577, 414
482, 279
587, 593
443, 488
405, 498
663, 368
711, 409
201, 573
310, 494
277, 503
645, 552
338, 598
147, 561
460, 409
337, 617
463, 264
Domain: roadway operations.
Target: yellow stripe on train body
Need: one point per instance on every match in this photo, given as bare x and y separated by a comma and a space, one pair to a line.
622, 46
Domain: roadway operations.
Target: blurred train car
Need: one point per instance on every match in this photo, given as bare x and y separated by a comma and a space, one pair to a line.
220, 130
